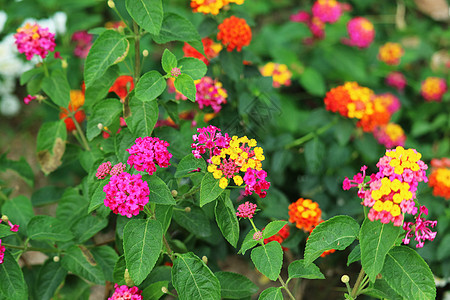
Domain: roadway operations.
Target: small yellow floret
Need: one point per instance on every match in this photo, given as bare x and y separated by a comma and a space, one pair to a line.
238, 180
223, 183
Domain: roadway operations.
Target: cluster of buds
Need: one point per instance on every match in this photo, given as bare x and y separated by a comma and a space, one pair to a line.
107, 168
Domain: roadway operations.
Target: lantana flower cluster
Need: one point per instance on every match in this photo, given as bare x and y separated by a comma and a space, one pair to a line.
83, 43
107, 168
279, 73
210, 93
419, 229
76, 102
392, 190
396, 80
361, 32
390, 53
210, 47
234, 33
440, 177
246, 210
211, 6
433, 88
390, 135
34, 40
241, 155
126, 194
305, 213
123, 292
147, 152
209, 138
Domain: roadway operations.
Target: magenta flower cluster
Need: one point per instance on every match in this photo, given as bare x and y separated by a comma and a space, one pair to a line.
34, 40
419, 229
209, 138
361, 32
246, 210
122, 292
210, 93
256, 182
328, 11
147, 152
396, 80
126, 194
83, 43
106, 169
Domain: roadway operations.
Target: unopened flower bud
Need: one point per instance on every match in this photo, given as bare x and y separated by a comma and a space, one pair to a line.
174, 193
379, 276
205, 259
187, 209
64, 64
345, 278
100, 126
164, 290
128, 279
257, 235
145, 53
175, 72
56, 258
5, 218
111, 4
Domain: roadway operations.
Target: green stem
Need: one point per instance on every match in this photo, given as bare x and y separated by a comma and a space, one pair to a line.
167, 246
81, 134
190, 193
44, 65
256, 229
51, 104
311, 135
137, 53
286, 287
25, 248
363, 284
121, 18
357, 284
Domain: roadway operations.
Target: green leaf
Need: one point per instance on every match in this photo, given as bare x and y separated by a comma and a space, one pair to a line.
159, 192
144, 116
109, 48
163, 214
19, 211
46, 195
5, 231
169, 61
408, 274
26, 76
176, 28
72, 206
376, 239
272, 228
57, 88
185, 85
50, 277
235, 286
147, 13
99, 196
188, 164
193, 279
106, 257
380, 289
336, 233
314, 155
153, 291
80, 261
48, 228
119, 271
51, 145
209, 189
192, 67
87, 227
313, 82
104, 112
142, 243
298, 269
100, 88
150, 86
272, 293
248, 242
355, 255
268, 259
226, 219
232, 64
20, 166
12, 284
194, 221
74, 288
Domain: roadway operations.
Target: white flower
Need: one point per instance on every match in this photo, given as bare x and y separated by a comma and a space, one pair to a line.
10, 105
10, 64
3, 18
60, 19
7, 85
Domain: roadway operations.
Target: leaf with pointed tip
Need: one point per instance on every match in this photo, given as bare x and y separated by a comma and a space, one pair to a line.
150, 86
193, 67
272, 293
109, 48
82, 263
248, 242
188, 164
235, 286
226, 219
50, 277
147, 13
57, 88
268, 259
144, 116
298, 269
142, 243
336, 233
193, 279
273, 228
159, 192
376, 239
209, 189
408, 274
48, 228
12, 285
177, 28
168, 61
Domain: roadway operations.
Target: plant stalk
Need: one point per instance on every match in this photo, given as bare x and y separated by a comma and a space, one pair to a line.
285, 287
25, 248
81, 134
311, 135
355, 289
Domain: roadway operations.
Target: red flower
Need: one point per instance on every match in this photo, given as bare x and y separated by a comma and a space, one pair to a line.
122, 86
